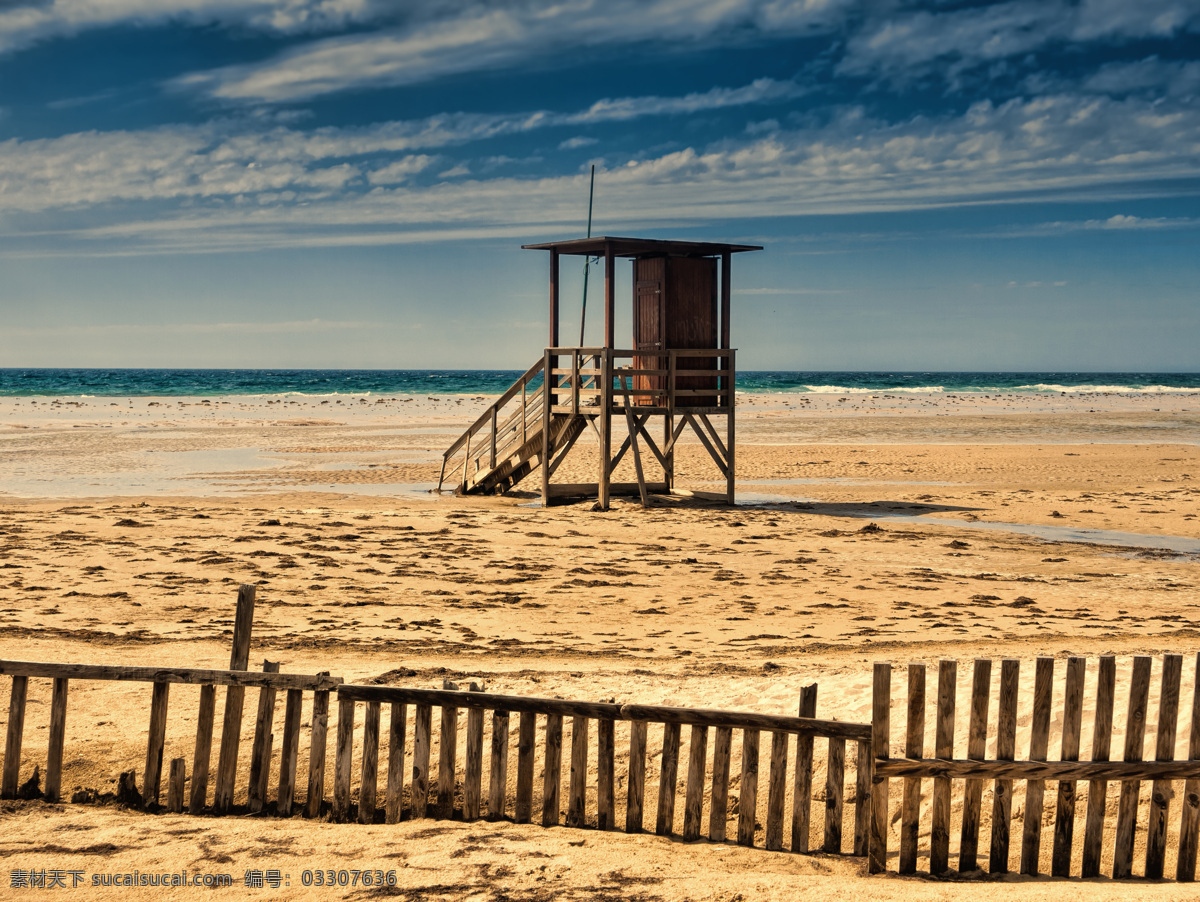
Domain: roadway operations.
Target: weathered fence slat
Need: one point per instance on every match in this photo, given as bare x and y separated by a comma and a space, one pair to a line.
318, 741
1006, 750
864, 774
718, 814
526, 740
289, 753
552, 770
577, 785
939, 838
370, 766
881, 744
606, 773
968, 855
637, 777
835, 780
343, 760
473, 766
203, 754
1135, 734
914, 747
1189, 824
152, 772
397, 724
693, 806
1093, 831
498, 777
748, 795
58, 734
1064, 820
231, 734
1164, 750
13, 736
802, 787
668, 780
447, 761
260, 758
776, 792
422, 743
1039, 745
175, 784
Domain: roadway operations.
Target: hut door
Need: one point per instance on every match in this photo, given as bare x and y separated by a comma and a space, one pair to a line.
648, 332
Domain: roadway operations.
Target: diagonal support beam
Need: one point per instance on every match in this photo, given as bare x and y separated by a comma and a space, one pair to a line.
713, 453
715, 437
633, 443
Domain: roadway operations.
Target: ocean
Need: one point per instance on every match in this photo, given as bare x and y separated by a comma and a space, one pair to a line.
34, 383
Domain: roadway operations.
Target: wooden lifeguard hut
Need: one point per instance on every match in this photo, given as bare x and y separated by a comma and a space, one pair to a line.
681, 368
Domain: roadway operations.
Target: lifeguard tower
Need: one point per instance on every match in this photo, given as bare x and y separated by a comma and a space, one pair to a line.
681, 368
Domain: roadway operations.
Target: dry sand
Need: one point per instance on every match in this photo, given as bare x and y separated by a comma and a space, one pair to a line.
126, 526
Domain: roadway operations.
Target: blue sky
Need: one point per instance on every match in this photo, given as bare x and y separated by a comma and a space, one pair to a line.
322, 183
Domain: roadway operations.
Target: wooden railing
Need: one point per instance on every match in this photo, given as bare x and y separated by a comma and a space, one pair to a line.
944, 769
506, 423
441, 797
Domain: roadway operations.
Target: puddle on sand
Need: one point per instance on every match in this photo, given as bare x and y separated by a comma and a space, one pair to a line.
1177, 544
425, 490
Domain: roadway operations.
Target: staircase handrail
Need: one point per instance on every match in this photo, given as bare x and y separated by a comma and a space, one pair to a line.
486, 418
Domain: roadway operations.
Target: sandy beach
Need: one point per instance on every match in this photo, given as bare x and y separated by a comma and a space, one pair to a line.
869, 527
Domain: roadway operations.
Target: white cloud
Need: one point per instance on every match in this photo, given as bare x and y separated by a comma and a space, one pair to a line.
1049, 147
491, 35
401, 170
1173, 77
577, 142
901, 45
25, 23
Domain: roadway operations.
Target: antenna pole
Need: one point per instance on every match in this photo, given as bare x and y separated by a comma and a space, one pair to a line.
587, 260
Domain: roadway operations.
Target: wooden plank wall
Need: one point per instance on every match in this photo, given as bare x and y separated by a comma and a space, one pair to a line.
1141, 818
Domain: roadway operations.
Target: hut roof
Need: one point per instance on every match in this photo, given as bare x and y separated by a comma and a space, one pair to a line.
640, 247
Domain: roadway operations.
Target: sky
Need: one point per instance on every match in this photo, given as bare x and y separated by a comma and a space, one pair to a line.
347, 183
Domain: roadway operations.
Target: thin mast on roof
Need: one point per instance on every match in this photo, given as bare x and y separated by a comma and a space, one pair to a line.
587, 260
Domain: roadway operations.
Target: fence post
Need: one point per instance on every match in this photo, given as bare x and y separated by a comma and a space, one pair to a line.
319, 739
1189, 825
1161, 791
260, 750
1039, 744
1006, 749
343, 760
152, 772
939, 837
231, 730
1135, 734
914, 747
802, 790
1093, 833
881, 741
1064, 821
748, 798
395, 772
58, 731
968, 856
204, 735
12, 741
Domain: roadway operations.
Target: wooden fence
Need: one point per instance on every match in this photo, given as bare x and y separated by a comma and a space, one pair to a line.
268, 682
449, 791
1001, 771
588, 719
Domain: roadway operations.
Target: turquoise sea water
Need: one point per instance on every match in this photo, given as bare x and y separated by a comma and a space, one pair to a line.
183, 382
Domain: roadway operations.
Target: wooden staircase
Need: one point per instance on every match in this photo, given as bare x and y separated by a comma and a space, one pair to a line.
508, 441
